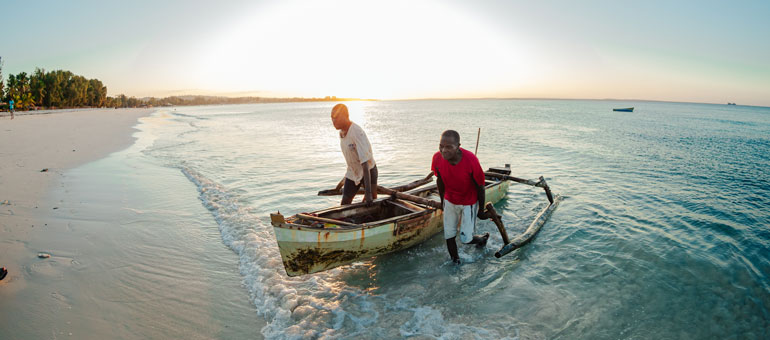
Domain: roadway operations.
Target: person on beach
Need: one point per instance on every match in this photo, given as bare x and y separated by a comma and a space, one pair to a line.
358, 155
460, 182
10, 107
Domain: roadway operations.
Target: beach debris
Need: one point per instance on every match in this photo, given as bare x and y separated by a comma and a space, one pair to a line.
43, 255
3, 273
44, 170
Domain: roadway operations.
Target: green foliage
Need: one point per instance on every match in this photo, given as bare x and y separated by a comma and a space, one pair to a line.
37, 86
54, 89
24, 101
96, 93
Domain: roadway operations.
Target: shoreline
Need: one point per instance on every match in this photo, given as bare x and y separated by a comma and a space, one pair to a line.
5, 114
127, 249
36, 149
17, 113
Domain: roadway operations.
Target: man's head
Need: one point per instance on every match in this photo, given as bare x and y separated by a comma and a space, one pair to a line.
340, 117
449, 145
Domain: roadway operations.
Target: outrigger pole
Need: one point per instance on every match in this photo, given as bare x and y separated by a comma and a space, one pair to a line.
380, 190
534, 227
508, 245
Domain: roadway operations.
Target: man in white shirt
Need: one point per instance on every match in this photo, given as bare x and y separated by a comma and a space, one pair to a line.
358, 155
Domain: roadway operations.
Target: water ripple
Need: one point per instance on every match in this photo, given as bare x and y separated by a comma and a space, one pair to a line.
664, 232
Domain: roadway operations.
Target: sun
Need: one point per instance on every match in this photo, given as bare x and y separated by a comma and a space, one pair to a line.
398, 49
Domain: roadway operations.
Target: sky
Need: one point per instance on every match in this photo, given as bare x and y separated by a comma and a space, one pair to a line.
691, 51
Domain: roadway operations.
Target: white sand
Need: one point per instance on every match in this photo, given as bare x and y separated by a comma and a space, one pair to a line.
51, 140
112, 273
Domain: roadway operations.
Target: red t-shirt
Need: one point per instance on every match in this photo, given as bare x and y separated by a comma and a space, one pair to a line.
458, 186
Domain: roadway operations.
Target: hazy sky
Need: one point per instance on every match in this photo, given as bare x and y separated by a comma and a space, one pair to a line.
701, 51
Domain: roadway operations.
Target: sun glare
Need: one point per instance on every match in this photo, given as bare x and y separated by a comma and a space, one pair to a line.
397, 49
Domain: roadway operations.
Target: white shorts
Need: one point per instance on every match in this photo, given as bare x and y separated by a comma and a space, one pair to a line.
463, 216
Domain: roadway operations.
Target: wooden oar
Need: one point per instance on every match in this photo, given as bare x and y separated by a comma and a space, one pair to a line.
336, 191
406, 187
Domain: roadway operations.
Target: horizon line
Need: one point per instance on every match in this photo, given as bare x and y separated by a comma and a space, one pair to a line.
597, 99
456, 98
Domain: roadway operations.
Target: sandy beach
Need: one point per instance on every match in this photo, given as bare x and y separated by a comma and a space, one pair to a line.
128, 251
36, 149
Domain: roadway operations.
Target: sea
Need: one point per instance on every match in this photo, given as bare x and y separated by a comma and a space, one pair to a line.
663, 232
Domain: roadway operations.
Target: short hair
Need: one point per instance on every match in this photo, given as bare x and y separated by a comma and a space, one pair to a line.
451, 133
340, 109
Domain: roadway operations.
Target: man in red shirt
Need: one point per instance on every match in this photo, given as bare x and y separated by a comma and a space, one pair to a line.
460, 182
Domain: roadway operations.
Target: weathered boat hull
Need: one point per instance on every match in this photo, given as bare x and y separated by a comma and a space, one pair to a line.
627, 109
307, 249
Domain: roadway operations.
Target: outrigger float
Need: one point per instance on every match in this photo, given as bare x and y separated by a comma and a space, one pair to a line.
404, 217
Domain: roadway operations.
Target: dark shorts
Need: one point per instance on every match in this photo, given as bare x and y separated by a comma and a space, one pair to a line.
350, 189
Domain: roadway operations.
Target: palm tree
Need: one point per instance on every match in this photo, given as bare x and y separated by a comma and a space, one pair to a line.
24, 101
11, 92
37, 86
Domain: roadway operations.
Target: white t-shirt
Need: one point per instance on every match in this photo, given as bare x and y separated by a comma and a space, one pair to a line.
356, 149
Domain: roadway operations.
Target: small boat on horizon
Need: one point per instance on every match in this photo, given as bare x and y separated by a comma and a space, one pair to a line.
730, 103
627, 109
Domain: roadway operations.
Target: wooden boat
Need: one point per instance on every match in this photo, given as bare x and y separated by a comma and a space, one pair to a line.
333, 237
627, 109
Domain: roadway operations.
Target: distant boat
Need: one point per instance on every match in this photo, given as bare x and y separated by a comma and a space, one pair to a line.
627, 109
730, 103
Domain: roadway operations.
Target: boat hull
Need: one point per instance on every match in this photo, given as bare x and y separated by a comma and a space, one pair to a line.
629, 109
306, 250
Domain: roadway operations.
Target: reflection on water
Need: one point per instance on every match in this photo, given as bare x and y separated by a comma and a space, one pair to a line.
662, 233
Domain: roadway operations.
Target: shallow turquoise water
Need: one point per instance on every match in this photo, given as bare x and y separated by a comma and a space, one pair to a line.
663, 233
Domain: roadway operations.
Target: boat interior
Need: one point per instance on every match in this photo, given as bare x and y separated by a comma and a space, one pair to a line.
383, 210
355, 215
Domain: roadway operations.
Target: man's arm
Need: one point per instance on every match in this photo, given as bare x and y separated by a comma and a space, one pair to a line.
481, 194
440, 186
367, 184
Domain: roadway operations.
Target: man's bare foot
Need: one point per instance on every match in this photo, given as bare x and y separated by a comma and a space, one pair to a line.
480, 241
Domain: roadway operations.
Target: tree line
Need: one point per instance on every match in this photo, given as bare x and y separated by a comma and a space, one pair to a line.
64, 89
53, 89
